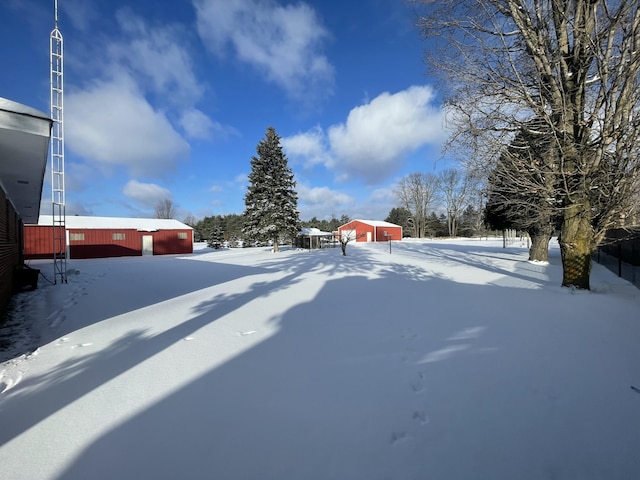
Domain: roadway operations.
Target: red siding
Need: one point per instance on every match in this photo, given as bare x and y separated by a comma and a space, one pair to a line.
376, 232
99, 243
38, 242
393, 233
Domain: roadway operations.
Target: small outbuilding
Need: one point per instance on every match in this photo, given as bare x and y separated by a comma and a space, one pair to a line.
371, 231
314, 238
102, 237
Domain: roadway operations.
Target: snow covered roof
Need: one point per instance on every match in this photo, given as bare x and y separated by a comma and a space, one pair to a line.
314, 232
140, 224
375, 223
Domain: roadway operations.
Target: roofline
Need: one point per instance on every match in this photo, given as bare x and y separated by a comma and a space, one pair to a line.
15, 107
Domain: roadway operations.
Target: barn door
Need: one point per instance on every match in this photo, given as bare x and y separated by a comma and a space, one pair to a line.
147, 245
368, 236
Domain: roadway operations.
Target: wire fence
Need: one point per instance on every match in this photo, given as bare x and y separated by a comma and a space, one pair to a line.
620, 253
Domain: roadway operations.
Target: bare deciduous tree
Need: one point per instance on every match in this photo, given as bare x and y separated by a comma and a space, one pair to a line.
347, 236
165, 209
190, 220
572, 65
417, 193
456, 189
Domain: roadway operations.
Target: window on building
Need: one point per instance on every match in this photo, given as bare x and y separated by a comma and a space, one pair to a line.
182, 235
117, 236
76, 237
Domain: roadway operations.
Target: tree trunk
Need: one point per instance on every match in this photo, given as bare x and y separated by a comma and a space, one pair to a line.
343, 246
540, 235
539, 251
576, 245
276, 249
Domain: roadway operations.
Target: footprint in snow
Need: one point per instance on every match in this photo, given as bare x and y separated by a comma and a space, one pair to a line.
418, 388
399, 438
421, 417
407, 334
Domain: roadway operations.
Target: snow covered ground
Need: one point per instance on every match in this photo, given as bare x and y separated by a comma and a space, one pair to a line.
442, 360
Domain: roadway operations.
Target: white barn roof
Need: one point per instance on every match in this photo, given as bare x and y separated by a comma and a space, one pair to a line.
140, 224
374, 223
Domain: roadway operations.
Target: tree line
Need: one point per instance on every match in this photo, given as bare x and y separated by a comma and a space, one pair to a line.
456, 194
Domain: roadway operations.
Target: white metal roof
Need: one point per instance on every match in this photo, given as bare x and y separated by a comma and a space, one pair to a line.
314, 232
141, 224
374, 223
24, 144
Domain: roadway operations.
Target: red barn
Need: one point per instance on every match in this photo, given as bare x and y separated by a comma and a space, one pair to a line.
371, 231
101, 237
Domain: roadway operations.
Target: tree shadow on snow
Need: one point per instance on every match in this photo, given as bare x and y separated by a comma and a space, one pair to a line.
382, 377
45, 394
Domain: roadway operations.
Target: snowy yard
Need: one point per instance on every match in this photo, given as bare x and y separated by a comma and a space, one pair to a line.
442, 360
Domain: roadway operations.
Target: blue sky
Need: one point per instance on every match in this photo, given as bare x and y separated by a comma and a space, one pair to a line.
168, 99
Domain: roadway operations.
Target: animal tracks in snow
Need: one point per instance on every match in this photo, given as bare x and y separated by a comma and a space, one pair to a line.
419, 382
421, 417
453, 345
418, 385
399, 438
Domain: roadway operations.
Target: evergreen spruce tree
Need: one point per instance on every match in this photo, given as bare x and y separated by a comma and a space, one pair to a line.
217, 237
271, 202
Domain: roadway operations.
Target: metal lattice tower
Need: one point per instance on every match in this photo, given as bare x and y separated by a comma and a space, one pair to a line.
57, 154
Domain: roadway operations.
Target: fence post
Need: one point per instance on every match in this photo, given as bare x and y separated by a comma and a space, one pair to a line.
620, 259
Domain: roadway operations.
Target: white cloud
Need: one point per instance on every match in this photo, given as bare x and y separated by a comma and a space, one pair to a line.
376, 136
375, 139
282, 41
80, 12
145, 194
322, 202
242, 179
158, 59
376, 205
199, 126
111, 123
310, 146
158, 56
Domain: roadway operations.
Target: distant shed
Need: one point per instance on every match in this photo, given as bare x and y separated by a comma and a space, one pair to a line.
102, 237
371, 231
314, 238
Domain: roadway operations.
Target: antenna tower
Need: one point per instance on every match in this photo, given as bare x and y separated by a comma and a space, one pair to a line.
57, 154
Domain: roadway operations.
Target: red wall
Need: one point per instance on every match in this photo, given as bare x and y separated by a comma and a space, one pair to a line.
38, 242
377, 233
99, 243
395, 233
